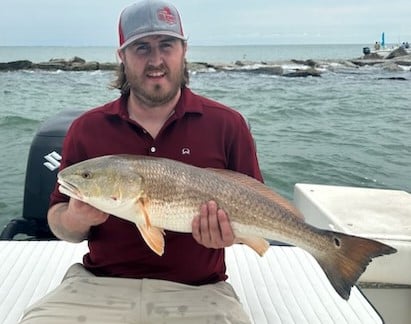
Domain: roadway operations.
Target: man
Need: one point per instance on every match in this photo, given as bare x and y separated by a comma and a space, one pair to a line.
156, 115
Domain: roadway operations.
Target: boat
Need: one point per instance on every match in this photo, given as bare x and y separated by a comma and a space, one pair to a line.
285, 286
381, 49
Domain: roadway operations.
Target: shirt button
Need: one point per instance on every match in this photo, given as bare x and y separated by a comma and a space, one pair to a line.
152, 149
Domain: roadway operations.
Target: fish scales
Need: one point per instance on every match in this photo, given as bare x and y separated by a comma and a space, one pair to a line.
177, 191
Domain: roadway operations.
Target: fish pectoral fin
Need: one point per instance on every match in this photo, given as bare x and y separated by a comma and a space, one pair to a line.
142, 203
154, 237
258, 244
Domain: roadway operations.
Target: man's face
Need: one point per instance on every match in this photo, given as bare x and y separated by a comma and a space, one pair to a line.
154, 67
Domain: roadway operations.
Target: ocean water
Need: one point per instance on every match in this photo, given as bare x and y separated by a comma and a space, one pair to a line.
351, 126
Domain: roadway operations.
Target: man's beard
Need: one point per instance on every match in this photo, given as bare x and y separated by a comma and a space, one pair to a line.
156, 95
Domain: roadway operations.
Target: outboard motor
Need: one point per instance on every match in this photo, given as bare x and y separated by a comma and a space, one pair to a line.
42, 167
366, 50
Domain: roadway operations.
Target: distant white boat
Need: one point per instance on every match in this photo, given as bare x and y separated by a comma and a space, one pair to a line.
381, 49
384, 52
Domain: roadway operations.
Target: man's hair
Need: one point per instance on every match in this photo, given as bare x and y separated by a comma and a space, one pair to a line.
122, 84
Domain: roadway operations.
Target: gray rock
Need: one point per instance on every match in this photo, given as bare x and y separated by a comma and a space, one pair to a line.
394, 78
109, 66
391, 67
50, 65
77, 59
271, 70
200, 66
303, 73
74, 64
56, 61
372, 56
403, 60
363, 62
16, 65
84, 66
310, 63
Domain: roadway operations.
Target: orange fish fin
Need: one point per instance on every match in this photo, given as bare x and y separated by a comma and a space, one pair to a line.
142, 203
154, 237
258, 244
260, 187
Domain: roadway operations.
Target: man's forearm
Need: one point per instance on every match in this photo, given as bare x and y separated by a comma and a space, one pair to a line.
65, 227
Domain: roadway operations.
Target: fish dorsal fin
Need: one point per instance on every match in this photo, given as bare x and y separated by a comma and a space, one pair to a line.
258, 186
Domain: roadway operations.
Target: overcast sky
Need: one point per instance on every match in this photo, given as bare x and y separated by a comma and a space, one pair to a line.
211, 22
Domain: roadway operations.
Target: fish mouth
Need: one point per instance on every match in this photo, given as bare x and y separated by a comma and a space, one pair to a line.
69, 189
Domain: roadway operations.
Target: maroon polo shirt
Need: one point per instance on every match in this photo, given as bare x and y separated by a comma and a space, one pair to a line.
201, 132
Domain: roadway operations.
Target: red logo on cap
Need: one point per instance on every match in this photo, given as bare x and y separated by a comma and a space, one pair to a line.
166, 15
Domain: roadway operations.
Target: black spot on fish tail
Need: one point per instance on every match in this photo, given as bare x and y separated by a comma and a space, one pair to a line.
347, 258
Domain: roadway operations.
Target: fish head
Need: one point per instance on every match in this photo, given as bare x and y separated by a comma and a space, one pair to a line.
103, 182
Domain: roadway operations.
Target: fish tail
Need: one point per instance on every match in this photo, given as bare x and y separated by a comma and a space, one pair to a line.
348, 259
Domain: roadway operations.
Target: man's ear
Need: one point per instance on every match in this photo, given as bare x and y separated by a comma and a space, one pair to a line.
120, 55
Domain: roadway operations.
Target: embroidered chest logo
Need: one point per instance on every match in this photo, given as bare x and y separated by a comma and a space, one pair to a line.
166, 16
185, 151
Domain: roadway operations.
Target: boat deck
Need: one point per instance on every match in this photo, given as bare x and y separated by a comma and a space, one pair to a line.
285, 286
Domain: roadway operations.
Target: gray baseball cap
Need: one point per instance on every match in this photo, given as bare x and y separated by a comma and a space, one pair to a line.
146, 18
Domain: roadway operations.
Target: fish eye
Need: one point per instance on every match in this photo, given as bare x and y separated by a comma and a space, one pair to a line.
86, 175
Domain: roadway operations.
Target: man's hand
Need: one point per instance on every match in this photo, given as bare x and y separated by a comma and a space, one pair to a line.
212, 227
72, 221
84, 214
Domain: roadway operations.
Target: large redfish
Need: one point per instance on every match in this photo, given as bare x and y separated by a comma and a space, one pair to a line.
158, 193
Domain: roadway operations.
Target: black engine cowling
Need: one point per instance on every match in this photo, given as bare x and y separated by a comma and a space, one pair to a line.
42, 167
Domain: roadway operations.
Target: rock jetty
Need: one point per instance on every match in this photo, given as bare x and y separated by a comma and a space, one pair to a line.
74, 64
270, 68
79, 64
395, 61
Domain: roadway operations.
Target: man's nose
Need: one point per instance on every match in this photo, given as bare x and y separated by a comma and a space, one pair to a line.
156, 57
